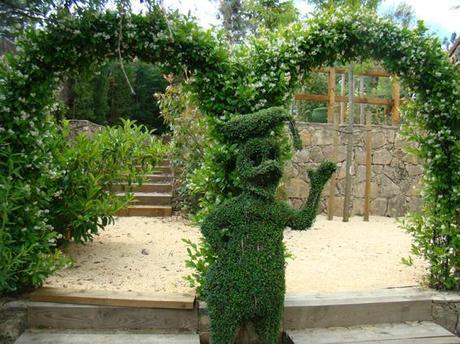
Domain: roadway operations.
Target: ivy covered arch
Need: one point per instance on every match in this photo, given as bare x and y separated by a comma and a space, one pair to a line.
260, 74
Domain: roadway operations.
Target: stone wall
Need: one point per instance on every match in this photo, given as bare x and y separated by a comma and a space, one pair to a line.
446, 311
395, 174
77, 126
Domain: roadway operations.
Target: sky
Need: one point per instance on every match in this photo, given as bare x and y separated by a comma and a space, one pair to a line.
439, 15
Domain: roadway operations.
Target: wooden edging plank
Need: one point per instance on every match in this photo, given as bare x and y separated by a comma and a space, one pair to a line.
112, 298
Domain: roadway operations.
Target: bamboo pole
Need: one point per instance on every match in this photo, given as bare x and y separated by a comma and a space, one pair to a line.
395, 88
346, 203
367, 189
332, 118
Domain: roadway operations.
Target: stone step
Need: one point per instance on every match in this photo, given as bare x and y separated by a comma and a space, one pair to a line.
351, 309
165, 162
159, 178
424, 332
150, 198
163, 169
146, 210
98, 337
164, 187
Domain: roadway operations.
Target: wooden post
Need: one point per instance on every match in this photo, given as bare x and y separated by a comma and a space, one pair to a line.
367, 189
351, 91
343, 106
331, 95
362, 107
395, 88
332, 118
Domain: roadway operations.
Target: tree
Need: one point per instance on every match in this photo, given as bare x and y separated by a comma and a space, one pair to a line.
240, 17
403, 14
231, 12
327, 4
102, 95
17, 14
270, 14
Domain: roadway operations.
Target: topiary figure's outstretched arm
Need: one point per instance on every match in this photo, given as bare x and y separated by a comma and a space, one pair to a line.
303, 218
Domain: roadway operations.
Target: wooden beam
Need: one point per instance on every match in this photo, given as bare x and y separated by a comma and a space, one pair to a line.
113, 298
343, 99
395, 90
371, 72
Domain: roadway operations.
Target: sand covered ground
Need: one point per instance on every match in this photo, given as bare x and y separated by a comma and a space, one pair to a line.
147, 255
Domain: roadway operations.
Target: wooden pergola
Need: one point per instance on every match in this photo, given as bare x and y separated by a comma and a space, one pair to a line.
392, 105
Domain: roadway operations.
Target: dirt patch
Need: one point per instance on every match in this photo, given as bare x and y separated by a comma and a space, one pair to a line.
147, 255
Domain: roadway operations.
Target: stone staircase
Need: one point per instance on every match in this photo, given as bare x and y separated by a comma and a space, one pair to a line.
154, 197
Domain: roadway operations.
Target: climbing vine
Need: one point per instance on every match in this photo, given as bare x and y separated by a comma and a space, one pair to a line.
256, 75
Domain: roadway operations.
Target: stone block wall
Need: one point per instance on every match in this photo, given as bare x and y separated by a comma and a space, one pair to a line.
77, 126
395, 186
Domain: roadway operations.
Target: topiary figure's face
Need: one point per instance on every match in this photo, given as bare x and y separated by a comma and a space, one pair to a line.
259, 165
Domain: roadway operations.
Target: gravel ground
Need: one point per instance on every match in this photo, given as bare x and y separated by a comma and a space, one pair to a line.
147, 255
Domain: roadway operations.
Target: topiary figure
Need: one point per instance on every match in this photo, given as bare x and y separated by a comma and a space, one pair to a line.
246, 283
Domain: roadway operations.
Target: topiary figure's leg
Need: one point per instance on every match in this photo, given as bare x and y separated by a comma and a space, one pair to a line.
268, 327
224, 323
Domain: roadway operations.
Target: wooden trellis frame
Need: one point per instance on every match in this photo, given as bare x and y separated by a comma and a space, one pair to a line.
333, 118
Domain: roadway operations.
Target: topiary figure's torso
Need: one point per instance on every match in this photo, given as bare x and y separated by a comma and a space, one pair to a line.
246, 283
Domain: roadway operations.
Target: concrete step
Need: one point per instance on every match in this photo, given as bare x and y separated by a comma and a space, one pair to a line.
146, 187
97, 337
146, 210
352, 309
424, 332
150, 198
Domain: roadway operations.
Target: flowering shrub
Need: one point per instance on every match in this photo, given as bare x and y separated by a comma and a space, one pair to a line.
251, 77
74, 201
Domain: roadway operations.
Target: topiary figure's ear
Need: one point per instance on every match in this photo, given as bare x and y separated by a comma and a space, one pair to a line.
258, 124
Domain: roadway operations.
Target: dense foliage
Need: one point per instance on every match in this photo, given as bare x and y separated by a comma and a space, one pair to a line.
245, 233
103, 96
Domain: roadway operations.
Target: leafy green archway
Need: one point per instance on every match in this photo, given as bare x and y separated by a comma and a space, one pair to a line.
260, 74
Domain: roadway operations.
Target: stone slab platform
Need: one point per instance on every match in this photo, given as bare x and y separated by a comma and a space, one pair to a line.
85, 337
424, 332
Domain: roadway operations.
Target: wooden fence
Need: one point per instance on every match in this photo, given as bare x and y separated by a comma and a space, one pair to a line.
392, 105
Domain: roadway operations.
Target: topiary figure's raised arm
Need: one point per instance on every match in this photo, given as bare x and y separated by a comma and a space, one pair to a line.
303, 218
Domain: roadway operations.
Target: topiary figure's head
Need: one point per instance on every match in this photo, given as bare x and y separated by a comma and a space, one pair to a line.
259, 163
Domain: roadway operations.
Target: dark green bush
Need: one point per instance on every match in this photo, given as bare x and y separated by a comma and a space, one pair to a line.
83, 204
